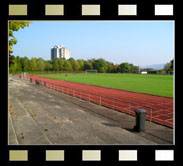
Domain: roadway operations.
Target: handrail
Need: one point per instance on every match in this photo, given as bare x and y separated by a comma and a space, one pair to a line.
109, 97
101, 97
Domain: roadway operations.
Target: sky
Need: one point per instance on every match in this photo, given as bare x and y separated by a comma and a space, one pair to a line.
138, 42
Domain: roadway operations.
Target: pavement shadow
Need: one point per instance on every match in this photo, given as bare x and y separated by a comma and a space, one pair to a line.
109, 124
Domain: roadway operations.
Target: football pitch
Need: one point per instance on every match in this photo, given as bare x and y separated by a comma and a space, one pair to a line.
160, 85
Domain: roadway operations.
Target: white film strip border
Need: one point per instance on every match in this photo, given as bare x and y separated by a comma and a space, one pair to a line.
163, 10
92, 155
92, 10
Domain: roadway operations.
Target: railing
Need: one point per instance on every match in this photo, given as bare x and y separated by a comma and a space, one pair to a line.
109, 102
106, 101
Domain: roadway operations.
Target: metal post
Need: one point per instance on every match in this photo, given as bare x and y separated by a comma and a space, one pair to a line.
129, 110
112, 103
150, 115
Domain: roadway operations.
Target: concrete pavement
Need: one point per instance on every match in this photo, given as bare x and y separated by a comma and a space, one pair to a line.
40, 116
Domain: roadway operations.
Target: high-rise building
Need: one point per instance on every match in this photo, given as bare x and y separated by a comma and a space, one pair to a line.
60, 52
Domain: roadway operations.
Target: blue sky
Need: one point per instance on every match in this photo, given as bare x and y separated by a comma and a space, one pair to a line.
138, 42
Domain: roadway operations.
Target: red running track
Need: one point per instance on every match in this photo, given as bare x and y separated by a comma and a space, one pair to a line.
162, 107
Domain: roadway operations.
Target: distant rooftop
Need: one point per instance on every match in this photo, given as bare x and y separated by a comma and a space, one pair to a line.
58, 46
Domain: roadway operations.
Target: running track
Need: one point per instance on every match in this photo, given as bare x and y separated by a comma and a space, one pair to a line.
162, 111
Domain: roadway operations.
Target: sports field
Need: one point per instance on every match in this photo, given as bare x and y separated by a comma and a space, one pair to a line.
160, 85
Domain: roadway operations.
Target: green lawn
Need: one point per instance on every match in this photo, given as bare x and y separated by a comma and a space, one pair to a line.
160, 85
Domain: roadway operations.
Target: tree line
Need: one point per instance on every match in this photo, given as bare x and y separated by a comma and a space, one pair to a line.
168, 68
24, 64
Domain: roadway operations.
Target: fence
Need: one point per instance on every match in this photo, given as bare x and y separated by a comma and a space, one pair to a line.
106, 101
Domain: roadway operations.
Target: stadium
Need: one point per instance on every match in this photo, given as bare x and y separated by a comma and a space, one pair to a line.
107, 90
97, 96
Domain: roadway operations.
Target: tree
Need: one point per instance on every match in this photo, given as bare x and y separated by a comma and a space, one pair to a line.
11, 60
12, 68
75, 66
67, 66
61, 64
25, 64
40, 64
48, 66
55, 64
88, 65
32, 64
116, 68
169, 67
15, 26
18, 64
81, 64
135, 69
110, 67
125, 67
100, 65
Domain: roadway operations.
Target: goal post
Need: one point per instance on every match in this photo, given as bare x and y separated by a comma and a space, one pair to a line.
91, 71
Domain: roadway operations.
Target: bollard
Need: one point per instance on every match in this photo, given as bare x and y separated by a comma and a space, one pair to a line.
140, 120
30, 80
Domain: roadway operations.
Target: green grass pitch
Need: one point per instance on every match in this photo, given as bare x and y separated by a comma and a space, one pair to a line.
160, 85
